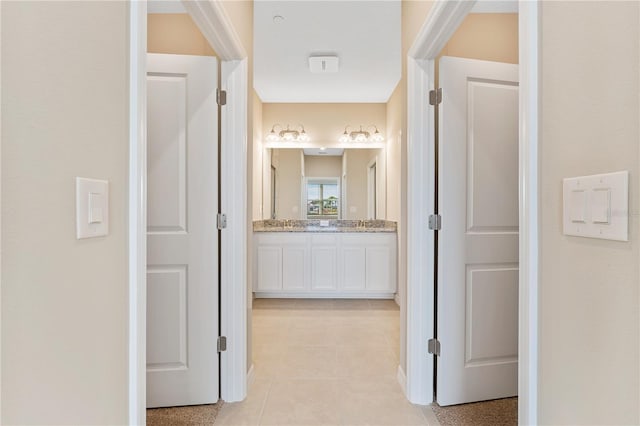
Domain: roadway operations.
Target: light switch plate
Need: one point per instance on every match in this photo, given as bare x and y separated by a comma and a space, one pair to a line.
597, 206
92, 208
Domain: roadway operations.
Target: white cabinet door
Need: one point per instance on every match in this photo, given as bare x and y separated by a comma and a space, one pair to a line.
269, 268
378, 269
478, 244
323, 268
294, 267
182, 240
353, 268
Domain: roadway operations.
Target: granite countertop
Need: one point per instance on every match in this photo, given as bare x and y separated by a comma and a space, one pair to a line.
314, 225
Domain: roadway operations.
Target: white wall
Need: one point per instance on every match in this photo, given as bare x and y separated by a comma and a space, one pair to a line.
589, 326
64, 301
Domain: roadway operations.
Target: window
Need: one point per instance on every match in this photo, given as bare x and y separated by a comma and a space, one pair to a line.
322, 198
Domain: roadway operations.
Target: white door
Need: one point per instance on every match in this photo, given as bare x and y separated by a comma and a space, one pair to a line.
478, 243
182, 238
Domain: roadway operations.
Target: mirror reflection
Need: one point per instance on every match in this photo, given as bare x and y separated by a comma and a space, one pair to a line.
324, 183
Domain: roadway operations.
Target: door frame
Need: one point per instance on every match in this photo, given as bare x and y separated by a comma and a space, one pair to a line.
215, 25
442, 21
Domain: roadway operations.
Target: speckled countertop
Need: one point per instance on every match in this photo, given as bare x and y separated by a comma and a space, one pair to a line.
313, 225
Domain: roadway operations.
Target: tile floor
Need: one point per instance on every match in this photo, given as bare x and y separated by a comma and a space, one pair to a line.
329, 362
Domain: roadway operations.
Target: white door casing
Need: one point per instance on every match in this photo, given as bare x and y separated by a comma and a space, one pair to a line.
182, 237
478, 243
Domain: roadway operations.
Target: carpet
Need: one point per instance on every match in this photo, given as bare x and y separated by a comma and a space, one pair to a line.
499, 412
193, 415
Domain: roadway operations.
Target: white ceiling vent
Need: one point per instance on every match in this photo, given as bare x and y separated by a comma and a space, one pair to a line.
323, 64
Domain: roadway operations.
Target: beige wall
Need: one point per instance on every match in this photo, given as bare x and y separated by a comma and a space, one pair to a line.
589, 289
288, 166
64, 301
324, 122
175, 33
486, 36
316, 166
357, 180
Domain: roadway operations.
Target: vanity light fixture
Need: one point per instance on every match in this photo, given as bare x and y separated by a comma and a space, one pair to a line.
361, 135
288, 134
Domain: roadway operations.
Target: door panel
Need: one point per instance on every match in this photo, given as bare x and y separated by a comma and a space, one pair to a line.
478, 243
182, 238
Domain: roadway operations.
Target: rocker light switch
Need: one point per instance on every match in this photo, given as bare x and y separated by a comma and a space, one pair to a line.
601, 205
578, 206
92, 208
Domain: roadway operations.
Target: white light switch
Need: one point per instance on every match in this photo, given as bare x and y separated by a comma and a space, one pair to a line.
597, 206
601, 205
92, 208
578, 206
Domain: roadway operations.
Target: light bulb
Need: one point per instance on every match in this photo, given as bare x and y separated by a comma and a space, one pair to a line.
377, 137
287, 136
344, 138
272, 136
303, 137
361, 137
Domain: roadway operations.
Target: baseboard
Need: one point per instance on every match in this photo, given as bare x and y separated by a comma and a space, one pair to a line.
397, 299
251, 376
402, 380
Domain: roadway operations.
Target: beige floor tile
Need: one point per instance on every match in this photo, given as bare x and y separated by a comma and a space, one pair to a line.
273, 321
314, 304
377, 401
306, 333
383, 305
327, 362
428, 413
302, 402
366, 361
352, 304
247, 412
277, 304
367, 410
359, 335
273, 336
304, 362
267, 361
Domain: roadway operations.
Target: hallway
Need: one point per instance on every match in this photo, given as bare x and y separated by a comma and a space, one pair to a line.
322, 361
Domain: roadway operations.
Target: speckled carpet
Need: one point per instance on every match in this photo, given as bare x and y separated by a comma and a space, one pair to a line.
500, 412
193, 415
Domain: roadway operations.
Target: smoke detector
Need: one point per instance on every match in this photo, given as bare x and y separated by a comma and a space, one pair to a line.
323, 64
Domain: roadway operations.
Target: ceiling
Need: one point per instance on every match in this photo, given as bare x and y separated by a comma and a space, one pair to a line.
365, 35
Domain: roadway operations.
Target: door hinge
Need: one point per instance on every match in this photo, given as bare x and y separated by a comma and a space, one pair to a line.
435, 222
433, 347
221, 97
435, 96
222, 343
222, 221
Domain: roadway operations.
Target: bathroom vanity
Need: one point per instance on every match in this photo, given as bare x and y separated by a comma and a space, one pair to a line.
342, 259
